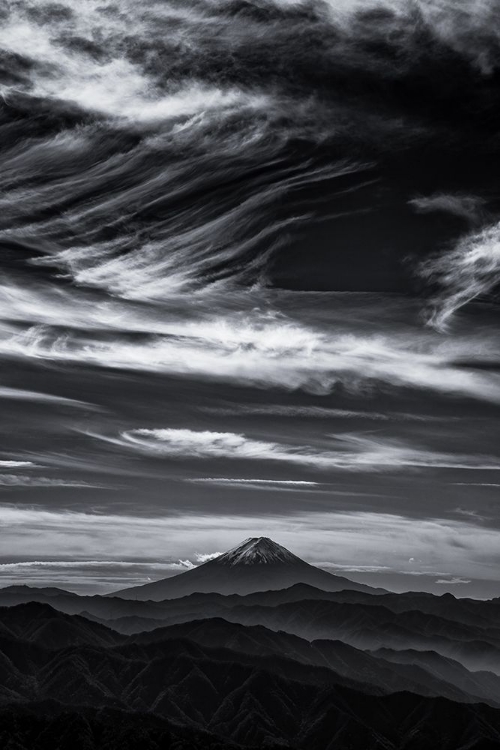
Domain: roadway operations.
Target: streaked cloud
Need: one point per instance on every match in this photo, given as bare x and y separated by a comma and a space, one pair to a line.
87, 576
256, 347
318, 412
452, 581
470, 270
19, 480
468, 207
18, 394
260, 483
476, 484
82, 564
205, 557
338, 568
346, 452
7, 464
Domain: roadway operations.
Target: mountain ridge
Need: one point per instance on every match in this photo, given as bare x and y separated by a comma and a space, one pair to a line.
258, 696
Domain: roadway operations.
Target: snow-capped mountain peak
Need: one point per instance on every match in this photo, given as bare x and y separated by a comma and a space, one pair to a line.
257, 564
257, 551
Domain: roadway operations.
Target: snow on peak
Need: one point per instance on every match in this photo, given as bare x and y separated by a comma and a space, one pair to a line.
257, 551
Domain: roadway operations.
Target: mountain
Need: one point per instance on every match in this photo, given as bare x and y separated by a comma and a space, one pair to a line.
464, 631
137, 615
374, 627
424, 673
215, 684
255, 565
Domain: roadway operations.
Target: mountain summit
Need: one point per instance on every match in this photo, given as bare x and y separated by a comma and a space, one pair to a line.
257, 564
258, 551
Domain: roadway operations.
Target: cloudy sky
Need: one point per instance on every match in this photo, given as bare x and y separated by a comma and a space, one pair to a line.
248, 286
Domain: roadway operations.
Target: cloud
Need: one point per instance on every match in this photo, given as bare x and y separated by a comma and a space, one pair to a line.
469, 271
18, 394
205, 557
116, 88
81, 564
16, 480
87, 576
187, 564
452, 581
258, 483
199, 444
468, 207
283, 485
346, 452
256, 347
318, 412
353, 568
17, 464
475, 484
336, 567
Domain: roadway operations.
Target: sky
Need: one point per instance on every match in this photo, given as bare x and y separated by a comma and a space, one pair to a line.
248, 287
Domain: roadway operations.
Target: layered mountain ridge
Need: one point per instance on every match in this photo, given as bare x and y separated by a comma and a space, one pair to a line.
292, 668
221, 684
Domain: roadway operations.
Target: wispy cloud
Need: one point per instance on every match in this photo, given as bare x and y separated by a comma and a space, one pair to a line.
254, 347
18, 394
338, 568
470, 270
87, 576
476, 484
347, 451
469, 207
452, 581
283, 485
205, 557
82, 564
19, 480
261, 483
7, 464
379, 568
318, 412
470, 513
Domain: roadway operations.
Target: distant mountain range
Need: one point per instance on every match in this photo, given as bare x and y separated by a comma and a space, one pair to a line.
223, 684
255, 565
297, 668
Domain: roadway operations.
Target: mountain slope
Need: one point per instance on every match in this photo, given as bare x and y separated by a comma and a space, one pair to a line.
255, 565
137, 615
241, 698
373, 627
258, 692
424, 673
